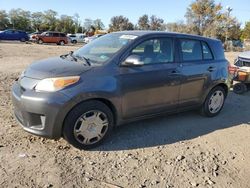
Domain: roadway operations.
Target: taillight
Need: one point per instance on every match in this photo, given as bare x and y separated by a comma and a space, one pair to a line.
242, 76
232, 69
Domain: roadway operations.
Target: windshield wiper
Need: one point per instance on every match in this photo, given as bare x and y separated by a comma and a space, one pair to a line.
71, 55
84, 58
76, 58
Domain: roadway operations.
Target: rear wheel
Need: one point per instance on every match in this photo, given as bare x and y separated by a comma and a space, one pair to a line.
74, 41
240, 88
88, 124
214, 102
61, 43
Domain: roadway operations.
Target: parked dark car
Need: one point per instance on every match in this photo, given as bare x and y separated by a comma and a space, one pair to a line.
12, 34
119, 78
52, 37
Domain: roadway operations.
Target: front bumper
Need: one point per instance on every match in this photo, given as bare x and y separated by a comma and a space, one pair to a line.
40, 113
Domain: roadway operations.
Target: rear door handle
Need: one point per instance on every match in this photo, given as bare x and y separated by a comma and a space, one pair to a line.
211, 69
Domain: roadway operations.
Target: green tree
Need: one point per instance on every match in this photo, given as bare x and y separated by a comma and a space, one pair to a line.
143, 22
65, 24
37, 20
201, 16
246, 31
50, 20
227, 28
20, 19
120, 23
4, 20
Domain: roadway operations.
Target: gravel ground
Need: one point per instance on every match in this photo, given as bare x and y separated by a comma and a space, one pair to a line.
182, 150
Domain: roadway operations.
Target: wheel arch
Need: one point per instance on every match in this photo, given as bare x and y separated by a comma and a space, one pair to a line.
224, 86
107, 102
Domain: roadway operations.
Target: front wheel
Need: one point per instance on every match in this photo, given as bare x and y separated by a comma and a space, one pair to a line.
214, 102
40, 41
88, 124
22, 39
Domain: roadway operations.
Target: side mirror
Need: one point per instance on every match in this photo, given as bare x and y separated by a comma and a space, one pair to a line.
133, 60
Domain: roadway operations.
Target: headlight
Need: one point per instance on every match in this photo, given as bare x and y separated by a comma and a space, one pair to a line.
55, 84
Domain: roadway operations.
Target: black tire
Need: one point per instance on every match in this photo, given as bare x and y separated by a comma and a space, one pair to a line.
205, 109
240, 88
62, 43
40, 41
74, 42
72, 121
22, 39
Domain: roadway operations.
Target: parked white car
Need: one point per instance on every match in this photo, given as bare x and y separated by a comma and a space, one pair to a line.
89, 39
77, 38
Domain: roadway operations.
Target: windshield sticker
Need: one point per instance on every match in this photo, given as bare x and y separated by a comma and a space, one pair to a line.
129, 37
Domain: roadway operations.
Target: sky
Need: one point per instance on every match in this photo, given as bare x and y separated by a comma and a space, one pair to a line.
169, 10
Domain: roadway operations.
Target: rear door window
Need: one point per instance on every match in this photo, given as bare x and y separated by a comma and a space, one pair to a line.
55, 34
191, 50
62, 35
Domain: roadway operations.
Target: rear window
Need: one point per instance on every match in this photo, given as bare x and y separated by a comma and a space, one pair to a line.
62, 35
207, 54
191, 50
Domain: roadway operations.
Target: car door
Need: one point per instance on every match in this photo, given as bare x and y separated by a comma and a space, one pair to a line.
8, 35
154, 86
17, 35
46, 37
55, 38
196, 69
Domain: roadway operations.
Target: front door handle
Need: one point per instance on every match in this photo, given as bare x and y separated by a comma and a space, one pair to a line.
211, 69
175, 72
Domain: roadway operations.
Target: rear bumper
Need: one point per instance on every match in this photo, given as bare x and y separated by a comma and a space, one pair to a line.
40, 113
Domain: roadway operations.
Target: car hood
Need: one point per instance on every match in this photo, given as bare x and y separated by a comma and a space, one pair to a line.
245, 55
54, 67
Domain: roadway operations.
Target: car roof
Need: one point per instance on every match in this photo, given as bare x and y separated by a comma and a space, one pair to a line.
145, 33
245, 55
52, 32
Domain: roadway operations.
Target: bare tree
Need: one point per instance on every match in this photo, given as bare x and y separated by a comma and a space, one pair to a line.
156, 23
143, 22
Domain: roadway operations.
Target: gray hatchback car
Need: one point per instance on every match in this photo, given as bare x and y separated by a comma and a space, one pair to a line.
119, 78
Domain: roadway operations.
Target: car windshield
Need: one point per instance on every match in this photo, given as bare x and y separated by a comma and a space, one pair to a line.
104, 48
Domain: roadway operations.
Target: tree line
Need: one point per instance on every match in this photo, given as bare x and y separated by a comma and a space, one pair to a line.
203, 17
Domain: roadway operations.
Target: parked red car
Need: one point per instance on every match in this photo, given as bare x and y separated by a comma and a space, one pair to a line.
52, 37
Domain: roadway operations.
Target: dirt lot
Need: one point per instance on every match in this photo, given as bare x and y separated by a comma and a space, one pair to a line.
183, 150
